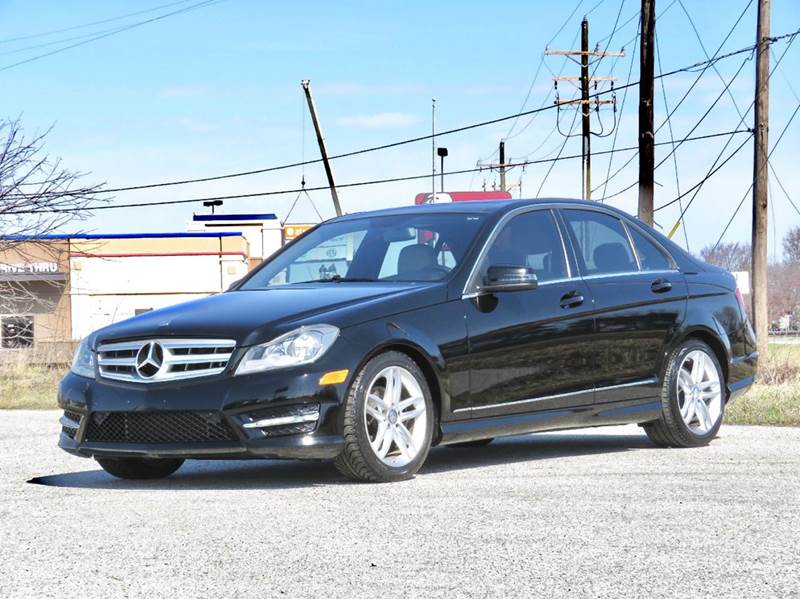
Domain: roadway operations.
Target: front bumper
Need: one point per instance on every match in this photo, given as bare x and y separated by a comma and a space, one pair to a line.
207, 415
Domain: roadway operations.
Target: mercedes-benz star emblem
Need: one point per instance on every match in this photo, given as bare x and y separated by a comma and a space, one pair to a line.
149, 359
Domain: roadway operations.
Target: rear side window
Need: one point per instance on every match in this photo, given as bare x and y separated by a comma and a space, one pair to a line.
603, 245
650, 255
530, 239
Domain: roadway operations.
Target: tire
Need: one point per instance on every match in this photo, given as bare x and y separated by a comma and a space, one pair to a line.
139, 468
471, 444
383, 443
679, 403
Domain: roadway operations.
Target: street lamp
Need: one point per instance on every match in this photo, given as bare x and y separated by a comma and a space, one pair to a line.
442, 152
212, 204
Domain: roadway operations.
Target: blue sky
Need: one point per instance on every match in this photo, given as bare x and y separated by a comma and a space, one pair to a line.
217, 90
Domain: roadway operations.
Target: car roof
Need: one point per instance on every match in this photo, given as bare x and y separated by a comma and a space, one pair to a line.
685, 260
474, 206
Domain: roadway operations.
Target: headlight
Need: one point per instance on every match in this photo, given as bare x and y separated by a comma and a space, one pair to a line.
301, 346
83, 360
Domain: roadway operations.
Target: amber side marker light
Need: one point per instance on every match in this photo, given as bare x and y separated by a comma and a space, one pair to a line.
334, 377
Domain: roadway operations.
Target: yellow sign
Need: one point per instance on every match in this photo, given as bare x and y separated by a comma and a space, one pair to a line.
291, 232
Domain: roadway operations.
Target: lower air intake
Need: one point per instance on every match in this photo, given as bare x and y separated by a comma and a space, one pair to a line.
158, 427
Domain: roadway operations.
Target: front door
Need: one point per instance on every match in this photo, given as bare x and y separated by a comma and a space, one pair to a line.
640, 299
529, 350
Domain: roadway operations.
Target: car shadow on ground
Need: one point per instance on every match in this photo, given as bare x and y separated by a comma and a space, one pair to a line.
289, 474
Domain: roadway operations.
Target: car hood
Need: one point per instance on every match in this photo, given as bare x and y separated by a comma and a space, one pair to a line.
256, 316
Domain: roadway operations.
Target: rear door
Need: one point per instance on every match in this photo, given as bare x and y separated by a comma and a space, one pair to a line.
639, 301
529, 350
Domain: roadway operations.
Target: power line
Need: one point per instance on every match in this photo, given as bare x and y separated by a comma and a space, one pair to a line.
696, 125
710, 174
539, 68
197, 5
325, 187
707, 64
722, 151
420, 138
783, 189
727, 143
621, 109
672, 141
90, 24
746, 193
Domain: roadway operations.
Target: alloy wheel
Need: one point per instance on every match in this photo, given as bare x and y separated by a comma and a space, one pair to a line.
395, 416
699, 392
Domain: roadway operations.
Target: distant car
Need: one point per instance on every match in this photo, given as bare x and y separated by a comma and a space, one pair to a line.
375, 336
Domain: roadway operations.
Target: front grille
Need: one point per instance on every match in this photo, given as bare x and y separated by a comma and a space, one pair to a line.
159, 360
158, 427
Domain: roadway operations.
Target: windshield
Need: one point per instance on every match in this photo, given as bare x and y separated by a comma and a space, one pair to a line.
409, 247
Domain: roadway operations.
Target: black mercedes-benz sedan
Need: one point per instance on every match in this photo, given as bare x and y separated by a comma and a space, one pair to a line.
375, 336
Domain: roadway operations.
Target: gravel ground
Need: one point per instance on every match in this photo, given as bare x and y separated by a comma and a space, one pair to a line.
598, 513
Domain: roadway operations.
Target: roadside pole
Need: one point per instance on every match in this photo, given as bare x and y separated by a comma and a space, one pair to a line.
646, 133
322, 149
761, 180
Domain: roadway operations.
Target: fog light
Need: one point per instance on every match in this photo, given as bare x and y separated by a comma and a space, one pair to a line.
304, 415
334, 377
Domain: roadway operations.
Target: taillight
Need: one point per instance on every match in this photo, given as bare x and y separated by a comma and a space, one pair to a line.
740, 299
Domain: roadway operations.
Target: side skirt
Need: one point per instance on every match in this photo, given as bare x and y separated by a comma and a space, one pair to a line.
618, 412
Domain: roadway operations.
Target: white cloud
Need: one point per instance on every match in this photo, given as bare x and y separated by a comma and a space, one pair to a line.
382, 120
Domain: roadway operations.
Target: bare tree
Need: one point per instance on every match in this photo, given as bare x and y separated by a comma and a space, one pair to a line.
791, 246
730, 256
37, 197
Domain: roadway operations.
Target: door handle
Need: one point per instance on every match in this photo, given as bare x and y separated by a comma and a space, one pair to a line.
573, 299
660, 286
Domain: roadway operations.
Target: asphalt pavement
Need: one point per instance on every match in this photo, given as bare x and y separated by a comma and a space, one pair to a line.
595, 513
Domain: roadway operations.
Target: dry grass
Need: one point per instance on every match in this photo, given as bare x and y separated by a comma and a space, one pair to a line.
32, 387
774, 400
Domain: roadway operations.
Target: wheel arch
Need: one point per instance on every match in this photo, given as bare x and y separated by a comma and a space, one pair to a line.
714, 341
425, 363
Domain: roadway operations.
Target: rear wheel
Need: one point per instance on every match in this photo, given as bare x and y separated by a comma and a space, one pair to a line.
139, 468
692, 400
388, 421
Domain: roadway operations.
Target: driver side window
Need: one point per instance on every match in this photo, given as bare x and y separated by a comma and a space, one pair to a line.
530, 239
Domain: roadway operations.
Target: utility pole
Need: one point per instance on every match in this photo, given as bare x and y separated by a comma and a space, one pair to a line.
586, 111
585, 103
503, 166
433, 150
322, 149
646, 133
761, 179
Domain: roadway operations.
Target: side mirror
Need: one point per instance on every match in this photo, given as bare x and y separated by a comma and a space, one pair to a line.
509, 278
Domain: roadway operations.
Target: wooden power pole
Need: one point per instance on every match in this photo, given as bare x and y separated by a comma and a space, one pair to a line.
586, 112
585, 103
760, 179
646, 133
322, 149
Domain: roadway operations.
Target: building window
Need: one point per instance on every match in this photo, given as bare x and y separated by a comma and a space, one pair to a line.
16, 332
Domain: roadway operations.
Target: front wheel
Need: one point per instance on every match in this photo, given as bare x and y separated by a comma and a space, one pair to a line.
692, 398
139, 468
388, 421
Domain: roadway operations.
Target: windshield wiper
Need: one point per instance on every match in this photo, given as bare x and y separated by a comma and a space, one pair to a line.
338, 279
